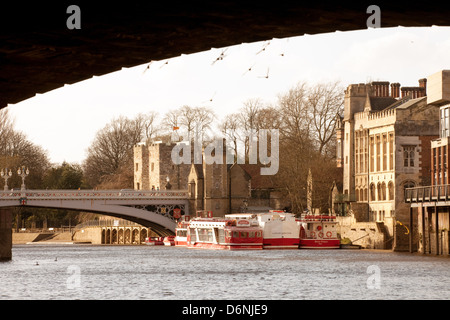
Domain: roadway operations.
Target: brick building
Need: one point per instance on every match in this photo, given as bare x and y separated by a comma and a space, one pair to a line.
383, 141
430, 203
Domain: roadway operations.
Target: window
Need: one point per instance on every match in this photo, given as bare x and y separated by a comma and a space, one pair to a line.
445, 122
372, 154
378, 153
408, 184
379, 192
391, 151
137, 166
408, 156
391, 190
153, 166
372, 192
383, 191
384, 152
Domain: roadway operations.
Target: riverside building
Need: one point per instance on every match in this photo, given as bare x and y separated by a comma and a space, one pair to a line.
383, 147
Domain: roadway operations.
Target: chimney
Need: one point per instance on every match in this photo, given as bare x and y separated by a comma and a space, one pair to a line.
395, 90
380, 88
413, 92
423, 84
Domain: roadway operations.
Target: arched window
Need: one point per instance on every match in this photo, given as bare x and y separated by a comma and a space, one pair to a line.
383, 191
380, 198
365, 194
408, 184
372, 192
391, 190
361, 194
357, 194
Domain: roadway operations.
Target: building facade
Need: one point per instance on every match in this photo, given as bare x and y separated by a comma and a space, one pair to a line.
155, 170
383, 141
430, 203
218, 187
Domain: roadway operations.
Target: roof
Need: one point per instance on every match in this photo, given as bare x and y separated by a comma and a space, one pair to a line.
381, 103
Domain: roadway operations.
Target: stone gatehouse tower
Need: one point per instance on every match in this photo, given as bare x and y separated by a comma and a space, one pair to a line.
154, 169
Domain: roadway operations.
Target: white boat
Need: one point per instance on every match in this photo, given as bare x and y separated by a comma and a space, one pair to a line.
280, 229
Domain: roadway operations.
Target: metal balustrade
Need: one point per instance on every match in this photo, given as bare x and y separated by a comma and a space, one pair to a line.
92, 194
427, 193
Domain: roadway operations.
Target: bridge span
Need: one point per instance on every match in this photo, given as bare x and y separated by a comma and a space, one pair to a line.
155, 209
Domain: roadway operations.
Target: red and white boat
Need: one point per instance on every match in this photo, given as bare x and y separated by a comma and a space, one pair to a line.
154, 241
280, 229
318, 232
181, 231
169, 241
227, 234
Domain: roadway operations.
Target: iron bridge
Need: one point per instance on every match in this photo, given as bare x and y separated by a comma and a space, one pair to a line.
154, 209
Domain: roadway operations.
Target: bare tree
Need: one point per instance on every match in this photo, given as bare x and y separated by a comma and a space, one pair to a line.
324, 102
147, 125
112, 150
17, 151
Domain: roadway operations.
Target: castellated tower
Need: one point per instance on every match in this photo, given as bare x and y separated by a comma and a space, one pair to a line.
354, 102
155, 170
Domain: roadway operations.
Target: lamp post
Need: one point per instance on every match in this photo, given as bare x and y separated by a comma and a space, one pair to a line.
6, 175
23, 173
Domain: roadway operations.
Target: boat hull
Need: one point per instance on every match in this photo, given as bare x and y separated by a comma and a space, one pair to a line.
319, 244
281, 243
231, 246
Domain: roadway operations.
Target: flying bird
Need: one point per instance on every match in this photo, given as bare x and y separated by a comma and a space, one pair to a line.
265, 45
267, 74
148, 67
249, 69
165, 63
211, 99
220, 57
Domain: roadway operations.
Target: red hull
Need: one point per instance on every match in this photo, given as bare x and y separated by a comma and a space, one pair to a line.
233, 246
180, 243
320, 244
281, 243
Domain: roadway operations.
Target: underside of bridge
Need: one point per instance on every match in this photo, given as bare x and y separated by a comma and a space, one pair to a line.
39, 53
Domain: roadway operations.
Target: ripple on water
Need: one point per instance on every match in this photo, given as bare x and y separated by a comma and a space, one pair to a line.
141, 272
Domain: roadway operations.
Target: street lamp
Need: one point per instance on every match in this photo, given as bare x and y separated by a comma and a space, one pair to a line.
23, 173
6, 175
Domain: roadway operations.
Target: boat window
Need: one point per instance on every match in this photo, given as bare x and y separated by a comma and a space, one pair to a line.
258, 234
244, 234
251, 234
235, 234
192, 234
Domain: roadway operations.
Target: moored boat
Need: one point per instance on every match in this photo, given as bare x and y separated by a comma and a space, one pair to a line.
280, 229
223, 233
169, 241
318, 232
181, 231
154, 241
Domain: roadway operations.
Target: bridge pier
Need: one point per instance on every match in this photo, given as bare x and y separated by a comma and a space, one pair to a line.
5, 234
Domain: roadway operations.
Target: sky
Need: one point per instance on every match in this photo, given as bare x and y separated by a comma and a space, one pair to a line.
64, 121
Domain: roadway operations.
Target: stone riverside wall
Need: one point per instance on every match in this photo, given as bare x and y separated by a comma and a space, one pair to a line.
369, 235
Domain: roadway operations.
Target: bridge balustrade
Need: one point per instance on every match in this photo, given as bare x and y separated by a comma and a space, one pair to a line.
92, 194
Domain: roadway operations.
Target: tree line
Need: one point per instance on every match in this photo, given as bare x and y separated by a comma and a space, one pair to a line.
305, 117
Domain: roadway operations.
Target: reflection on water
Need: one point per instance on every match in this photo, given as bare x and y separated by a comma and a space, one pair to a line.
142, 272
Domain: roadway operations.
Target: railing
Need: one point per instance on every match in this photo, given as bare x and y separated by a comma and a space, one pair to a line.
92, 194
428, 193
107, 223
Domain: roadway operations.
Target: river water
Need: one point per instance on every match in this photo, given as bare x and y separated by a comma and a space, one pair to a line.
177, 273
